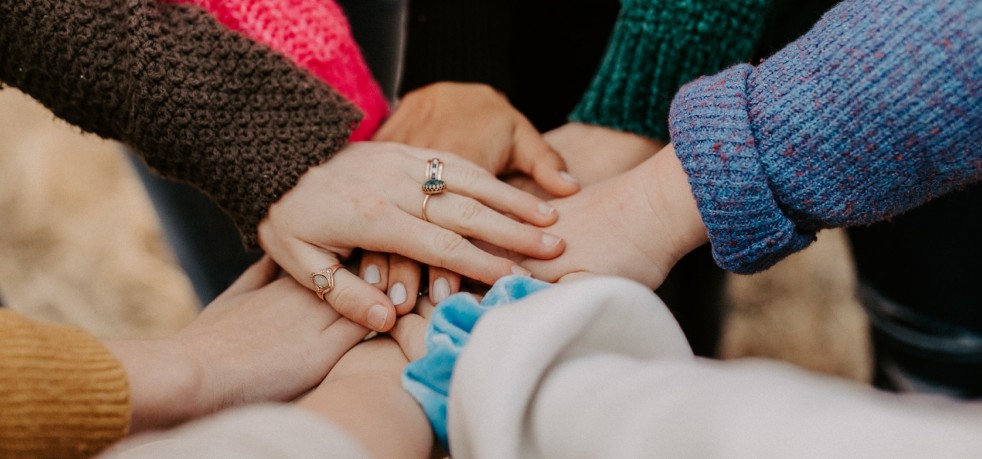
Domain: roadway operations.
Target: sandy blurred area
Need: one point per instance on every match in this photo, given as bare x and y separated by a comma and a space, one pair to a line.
80, 244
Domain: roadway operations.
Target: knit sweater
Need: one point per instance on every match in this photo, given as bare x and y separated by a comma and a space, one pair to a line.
657, 46
200, 103
874, 111
315, 35
62, 394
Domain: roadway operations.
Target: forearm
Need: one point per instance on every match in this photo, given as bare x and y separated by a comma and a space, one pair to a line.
871, 113
656, 47
363, 395
162, 384
63, 394
199, 102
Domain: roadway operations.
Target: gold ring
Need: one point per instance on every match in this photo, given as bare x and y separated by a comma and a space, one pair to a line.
324, 280
434, 183
426, 199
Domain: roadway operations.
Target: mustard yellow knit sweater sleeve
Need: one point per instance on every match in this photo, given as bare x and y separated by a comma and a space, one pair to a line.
62, 394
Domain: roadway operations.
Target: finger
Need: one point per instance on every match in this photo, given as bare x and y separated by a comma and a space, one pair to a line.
437, 246
351, 296
404, 278
425, 308
470, 218
575, 276
375, 269
341, 336
536, 158
443, 283
410, 333
259, 274
465, 178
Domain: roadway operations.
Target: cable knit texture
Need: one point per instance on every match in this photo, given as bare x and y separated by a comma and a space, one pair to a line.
874, 111
199, 102
315, 35
659, 45
62, 393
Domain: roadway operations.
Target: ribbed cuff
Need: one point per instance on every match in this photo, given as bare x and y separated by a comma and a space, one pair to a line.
63, 394
711, 130
658, 46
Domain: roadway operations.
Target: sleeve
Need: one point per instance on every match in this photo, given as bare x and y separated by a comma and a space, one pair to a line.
656, 47
874, 111
599, 368
62, 394
315, 35
463, 40
253, 432
199, 102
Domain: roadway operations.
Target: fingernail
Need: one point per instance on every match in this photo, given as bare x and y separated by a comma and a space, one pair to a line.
568, 177
520, 271
377, 316
441, 290
372, 275
397, 293
546, 209
549, 240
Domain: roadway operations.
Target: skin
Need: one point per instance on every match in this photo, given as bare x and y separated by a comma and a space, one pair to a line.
650, 214
264, 339
368, 196
477, 123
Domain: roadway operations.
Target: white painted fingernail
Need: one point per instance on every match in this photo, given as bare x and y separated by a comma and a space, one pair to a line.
372, 275
520, 271
568, 177
377, 316
397, 293
546, 209
441, 290
549, 240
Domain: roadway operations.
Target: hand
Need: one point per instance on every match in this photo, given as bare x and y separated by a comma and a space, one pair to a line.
400, 277
363, 395
595, 153
592, 154
477, 123
260, 340
635, 225
369, 196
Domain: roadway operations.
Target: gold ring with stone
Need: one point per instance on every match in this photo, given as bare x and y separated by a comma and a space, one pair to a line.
434, 183
324, 280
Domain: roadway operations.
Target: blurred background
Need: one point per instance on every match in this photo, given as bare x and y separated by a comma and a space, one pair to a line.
80, 244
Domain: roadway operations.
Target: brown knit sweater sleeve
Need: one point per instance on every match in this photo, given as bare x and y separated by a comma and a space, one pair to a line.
62, 394
200, 103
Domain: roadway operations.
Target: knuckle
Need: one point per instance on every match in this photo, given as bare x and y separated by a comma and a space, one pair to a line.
470, 211
449, 243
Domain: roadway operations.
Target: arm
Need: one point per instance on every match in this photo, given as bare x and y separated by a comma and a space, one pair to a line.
65, 393
316, 36
656, 47
191, 96
873, 112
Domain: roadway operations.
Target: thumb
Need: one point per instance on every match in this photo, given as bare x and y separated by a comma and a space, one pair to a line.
534, 157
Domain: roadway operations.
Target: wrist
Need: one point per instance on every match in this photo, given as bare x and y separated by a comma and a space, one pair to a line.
669, 195
163, 383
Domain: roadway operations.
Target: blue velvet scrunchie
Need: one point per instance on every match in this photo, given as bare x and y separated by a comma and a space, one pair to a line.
428, 379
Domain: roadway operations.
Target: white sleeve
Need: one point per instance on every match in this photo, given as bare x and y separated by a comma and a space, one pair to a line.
599, 368
256, 432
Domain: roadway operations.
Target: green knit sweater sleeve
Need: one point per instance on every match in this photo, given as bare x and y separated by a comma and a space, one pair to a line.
656, 47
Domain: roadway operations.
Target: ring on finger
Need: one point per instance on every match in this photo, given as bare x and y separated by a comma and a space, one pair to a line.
324, 280
434, 183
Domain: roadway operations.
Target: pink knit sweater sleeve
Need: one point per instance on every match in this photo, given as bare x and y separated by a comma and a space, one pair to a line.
315, 35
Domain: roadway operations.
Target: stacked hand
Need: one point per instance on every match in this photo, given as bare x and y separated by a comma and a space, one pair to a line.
370, 196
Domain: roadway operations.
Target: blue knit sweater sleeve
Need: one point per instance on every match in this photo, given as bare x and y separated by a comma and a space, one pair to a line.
875, 111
